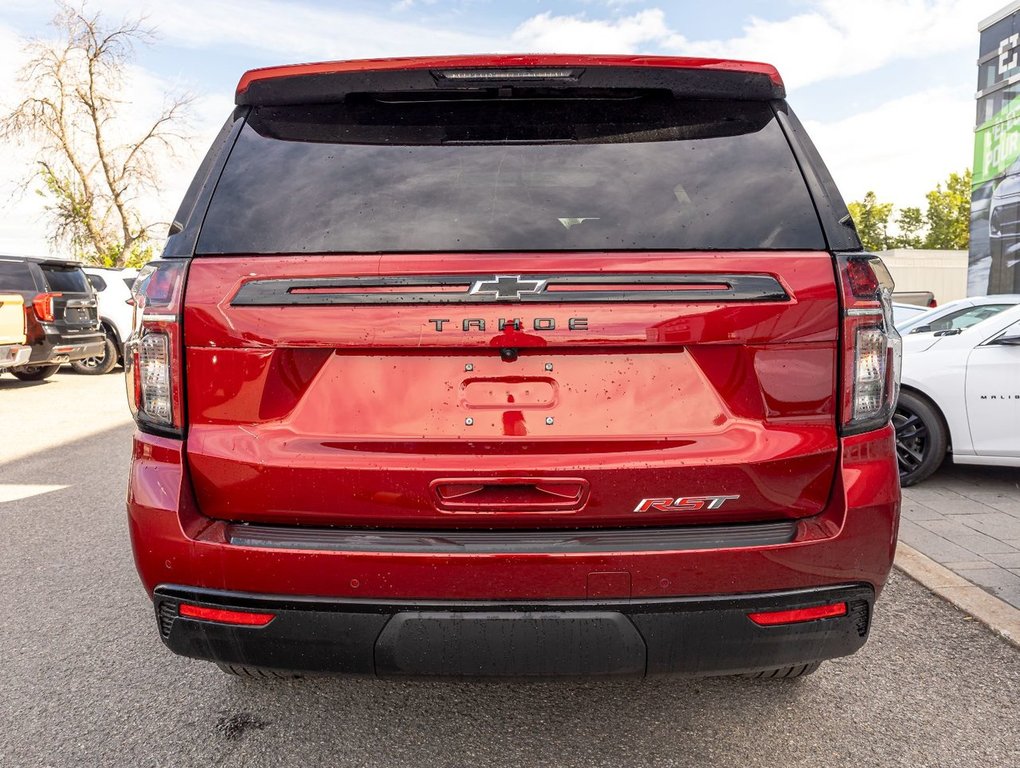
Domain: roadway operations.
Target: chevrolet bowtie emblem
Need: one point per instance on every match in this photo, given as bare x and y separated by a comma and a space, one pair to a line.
507, 287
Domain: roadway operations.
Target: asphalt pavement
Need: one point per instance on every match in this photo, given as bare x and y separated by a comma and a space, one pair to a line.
86, 681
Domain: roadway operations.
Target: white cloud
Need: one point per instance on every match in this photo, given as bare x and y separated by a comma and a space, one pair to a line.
838, 38
577, 34
300, 32
834, 39
405, 5
900, 149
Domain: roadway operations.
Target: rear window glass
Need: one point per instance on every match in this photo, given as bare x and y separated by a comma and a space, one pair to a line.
97, 282
65, 279
16, 276
553, 174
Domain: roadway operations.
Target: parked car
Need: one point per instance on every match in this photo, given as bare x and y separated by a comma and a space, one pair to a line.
917, 298
961, 392
13, 350
499, 366
904, 314
62, 323
961, 313
113, 292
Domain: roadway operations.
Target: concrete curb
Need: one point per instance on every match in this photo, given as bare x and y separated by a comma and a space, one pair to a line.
998, 615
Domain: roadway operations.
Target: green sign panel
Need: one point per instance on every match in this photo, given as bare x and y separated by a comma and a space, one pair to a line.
997, 144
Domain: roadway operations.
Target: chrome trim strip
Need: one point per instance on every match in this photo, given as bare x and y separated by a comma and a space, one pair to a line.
737, 287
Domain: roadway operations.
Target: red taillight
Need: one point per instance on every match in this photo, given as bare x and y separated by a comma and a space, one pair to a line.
154, 365
862, 279
871, 345
932, 304
223, 616
43, 306
798, 615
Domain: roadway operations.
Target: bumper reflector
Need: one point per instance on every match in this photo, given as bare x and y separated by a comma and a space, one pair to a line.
772, 618
222, 616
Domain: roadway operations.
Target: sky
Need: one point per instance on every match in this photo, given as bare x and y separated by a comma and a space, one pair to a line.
885, 87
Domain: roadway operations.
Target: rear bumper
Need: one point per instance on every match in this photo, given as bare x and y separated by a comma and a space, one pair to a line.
55, 348
676, 608
14, 355
690, 636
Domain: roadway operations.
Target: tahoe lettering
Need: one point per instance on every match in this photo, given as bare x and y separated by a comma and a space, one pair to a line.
502, 323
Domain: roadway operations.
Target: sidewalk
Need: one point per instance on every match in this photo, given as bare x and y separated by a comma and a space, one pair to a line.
967, 518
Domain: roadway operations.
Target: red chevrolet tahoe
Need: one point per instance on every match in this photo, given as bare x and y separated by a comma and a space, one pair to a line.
514, 365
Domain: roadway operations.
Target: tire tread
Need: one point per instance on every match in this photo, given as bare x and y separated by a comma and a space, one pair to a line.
938, 434
257, 673
785, 673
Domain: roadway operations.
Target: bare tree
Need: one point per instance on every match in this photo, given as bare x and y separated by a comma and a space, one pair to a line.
94, 171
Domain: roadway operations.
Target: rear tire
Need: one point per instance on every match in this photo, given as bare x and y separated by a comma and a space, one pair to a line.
35, 372
785, 673
921, 438
99, 364
257, 673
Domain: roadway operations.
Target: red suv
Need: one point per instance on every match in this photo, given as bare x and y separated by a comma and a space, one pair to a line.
514, 365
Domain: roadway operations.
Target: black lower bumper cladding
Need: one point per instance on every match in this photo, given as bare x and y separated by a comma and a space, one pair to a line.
688, 636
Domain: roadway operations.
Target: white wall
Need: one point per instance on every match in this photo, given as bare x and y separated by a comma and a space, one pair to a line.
944, 273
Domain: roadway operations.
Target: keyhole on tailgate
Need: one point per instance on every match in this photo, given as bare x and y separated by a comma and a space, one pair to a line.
509, 354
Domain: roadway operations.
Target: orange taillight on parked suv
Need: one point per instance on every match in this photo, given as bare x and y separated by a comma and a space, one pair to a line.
43, 306
153, 365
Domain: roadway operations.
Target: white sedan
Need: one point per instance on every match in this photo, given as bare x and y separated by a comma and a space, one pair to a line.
905, 313
960, 392
959, 313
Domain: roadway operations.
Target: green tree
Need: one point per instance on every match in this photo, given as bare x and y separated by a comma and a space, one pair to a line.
872, 221
948, 215
911, 225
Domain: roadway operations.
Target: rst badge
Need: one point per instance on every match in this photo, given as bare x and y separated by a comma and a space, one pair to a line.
683, 503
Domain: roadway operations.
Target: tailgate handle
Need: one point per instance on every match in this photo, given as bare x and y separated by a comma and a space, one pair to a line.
507, 494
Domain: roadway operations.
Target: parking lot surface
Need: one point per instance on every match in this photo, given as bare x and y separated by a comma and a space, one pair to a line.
86, 680
968, 519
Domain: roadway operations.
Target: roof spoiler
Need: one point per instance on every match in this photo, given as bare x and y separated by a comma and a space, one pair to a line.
331, 81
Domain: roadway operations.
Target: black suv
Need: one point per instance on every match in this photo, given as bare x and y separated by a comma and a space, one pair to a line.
62, 321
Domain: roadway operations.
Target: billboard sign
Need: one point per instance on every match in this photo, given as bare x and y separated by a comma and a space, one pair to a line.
995, 196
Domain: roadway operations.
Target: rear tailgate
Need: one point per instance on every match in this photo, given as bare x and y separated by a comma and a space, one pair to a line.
412, 414
574, 297
75, 309
12, 318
